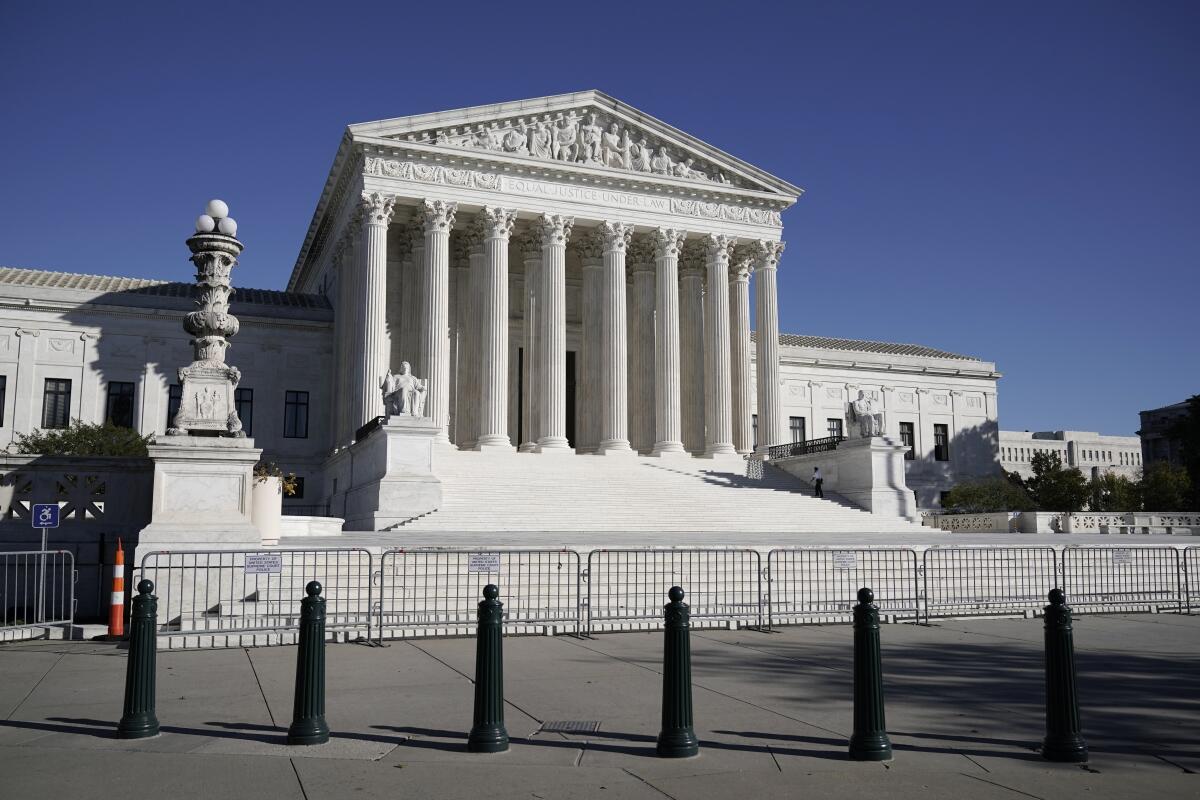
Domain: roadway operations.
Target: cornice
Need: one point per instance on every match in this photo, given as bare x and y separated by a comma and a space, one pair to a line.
893, 369
163, 314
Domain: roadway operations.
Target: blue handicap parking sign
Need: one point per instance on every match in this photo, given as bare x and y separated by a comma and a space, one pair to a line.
45, 515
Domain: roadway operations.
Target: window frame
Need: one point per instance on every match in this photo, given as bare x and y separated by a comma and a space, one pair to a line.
110, 399
247, 420
47, 393
941, 449
911, 453
292, 405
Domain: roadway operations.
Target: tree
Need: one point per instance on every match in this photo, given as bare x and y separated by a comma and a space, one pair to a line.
1112, 492
1166, 488
1187, 430
1054, 487
82, 439
985, 496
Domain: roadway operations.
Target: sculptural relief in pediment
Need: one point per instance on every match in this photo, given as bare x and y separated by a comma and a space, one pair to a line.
587, 136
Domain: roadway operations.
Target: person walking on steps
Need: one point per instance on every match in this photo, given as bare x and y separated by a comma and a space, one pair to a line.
817, 481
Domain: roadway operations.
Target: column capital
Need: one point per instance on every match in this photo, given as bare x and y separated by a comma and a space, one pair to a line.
556, 229
496, 222
472, 238
740, 264
590, 246
616, 235
692, 258
530, 242
718, 246
438, 216
377, 208
766, 254
668, 242
416, 233
640, 255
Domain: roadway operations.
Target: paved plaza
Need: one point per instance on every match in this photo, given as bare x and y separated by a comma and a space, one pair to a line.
773, 714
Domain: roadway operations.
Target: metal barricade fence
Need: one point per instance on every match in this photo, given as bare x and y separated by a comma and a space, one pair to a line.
37, 590
804, 583
631, 585
1122, 578
441, 588
987, 580
1191, 577
221, 595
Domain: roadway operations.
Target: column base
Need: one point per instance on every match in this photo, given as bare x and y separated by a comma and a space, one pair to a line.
668, 449
555, 444
615, 447
528, 447
719, 449
493, 443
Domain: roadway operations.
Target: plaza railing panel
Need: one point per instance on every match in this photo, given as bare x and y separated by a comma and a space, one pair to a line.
1191, 578
436, 591
629, 587
1114, 579
212, 598
37, 592
972, 581
820, 584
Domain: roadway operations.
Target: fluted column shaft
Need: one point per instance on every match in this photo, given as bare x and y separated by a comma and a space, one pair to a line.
739, 353
470, 414
591, 255
531, 250
691, 352
766, 353
435, 339
460, 277
350, 267
719, 398
641, 349
497, 225
414, 300
373, 358
667, 430
556, 230
614, 365
340, 332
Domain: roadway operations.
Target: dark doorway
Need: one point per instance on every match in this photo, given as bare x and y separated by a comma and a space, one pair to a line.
522, 389
571, 398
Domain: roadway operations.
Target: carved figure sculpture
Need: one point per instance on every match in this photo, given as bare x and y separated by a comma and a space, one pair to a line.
403, 394
514, 140
661, 163
480, 139
566, 138
862, 412
615, 147
589, 140
540, 137
495, 138
640, 155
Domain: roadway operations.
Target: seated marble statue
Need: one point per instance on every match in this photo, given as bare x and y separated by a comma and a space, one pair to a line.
863, 413
403, 394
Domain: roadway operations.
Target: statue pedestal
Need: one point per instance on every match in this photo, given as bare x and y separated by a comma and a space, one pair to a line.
387, 477
201, 500
869, 472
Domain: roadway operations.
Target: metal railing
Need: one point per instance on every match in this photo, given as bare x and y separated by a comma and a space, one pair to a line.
37, 590
823, 583
823, 445
233, 592
306, 509
987, 580
424, 588
1191, 577
1122, 578
630, 586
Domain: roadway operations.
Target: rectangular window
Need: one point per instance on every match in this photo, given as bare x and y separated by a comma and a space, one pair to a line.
797, 426
298, 494
118, 409
174, 400
295, 415
834, 426
244, 400
941, 443
754, 430
908, 439
56, 403
3, 396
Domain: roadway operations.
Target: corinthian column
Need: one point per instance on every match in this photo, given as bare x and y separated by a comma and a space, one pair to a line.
739, 350
497, 225
590, 247
667, 436
373, 359
460, 281
766, 303
614, 365
641, 345
531, 252
691, 347
719, 434
556, 230
435, 339
469, 411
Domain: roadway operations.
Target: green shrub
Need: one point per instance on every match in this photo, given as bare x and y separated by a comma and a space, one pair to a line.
82, 439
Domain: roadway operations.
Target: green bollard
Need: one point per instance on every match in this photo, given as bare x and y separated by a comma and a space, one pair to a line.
488, 734
677, 739
1063, 741
138, 720
869, 742
308, 710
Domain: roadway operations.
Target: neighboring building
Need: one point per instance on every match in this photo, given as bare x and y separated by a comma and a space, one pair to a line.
1092, 453
1157, 443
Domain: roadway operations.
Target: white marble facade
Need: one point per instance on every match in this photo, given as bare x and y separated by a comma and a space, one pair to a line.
1093, 453
494, 248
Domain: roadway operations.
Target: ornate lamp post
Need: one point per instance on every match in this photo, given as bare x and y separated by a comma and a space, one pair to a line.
206, 405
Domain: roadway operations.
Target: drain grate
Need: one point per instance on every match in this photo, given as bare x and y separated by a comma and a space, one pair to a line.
570, 726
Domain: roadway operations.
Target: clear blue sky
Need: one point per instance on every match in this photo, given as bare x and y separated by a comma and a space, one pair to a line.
1014, 180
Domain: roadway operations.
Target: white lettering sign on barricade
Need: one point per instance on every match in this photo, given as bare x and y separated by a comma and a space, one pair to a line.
1122, 555
483, 562
844, 559
264, 563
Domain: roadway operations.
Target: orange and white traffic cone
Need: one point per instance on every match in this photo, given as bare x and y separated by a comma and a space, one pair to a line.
116, 611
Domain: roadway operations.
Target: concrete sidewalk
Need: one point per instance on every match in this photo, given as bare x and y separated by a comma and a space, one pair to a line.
772, 712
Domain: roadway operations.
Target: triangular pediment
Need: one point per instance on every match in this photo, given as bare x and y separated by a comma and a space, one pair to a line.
584, 129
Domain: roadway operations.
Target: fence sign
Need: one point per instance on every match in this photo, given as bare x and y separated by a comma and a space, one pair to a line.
264, 563
483, 562
45, 515
844, 559
1122, 555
